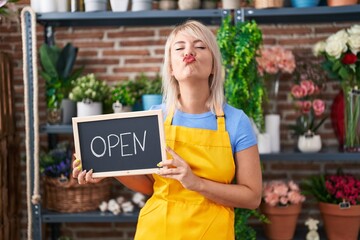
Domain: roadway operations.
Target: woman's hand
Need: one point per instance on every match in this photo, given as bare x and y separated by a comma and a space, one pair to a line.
82, 176
178, 169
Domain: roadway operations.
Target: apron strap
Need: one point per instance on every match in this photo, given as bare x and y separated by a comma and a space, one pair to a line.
169, 116
220, 118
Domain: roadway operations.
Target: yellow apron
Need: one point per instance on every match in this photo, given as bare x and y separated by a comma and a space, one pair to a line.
175, 213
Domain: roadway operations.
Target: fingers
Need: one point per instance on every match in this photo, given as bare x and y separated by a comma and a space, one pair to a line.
81, 177
76, 168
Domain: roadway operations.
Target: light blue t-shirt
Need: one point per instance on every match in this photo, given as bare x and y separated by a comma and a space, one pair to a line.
237, 124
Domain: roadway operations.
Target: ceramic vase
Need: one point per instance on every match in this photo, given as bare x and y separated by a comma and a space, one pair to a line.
283, 221
304, 3
231, 4
119, 108
119, 5
340, 223
272, 127
141, 5
149, 100
264, 143
168, 4
309, 143
186, 4
68, 109
88, 108
95, 5
48, 6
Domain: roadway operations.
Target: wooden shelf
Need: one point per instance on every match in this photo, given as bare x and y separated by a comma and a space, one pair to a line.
208, 16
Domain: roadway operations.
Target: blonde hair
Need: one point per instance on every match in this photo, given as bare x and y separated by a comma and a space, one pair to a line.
216, 81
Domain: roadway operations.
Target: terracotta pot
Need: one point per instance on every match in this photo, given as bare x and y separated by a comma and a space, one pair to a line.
283, 221
333, 3
340, 223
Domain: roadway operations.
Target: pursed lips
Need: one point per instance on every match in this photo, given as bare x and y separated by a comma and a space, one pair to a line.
189, 59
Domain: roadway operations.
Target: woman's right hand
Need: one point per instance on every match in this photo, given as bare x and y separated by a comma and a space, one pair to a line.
82, 176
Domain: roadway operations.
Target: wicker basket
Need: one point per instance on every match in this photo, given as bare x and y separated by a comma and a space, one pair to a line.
72, 197
269, 3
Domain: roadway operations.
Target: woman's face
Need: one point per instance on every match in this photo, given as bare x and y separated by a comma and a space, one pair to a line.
190, 58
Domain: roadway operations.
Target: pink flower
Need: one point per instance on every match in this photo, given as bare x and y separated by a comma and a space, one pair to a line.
281, 193
318, 106
306, 106
274, 60
297, 91
309, 86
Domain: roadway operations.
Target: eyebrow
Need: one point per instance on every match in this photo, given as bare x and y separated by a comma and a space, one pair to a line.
182, 42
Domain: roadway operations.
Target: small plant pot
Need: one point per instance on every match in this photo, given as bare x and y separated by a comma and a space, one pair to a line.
141, 5
88, 108
333, 3
95, 5
149, 100
68, 108
168, 5
119, 5
231, 4
304, 3
309, 143
187, 5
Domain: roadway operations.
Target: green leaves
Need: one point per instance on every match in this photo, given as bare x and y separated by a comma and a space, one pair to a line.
243, 87
57, 70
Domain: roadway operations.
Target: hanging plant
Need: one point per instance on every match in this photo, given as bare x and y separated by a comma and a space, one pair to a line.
244, 88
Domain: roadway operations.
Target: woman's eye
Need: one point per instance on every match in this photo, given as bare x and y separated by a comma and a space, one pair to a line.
177, 49
200, 47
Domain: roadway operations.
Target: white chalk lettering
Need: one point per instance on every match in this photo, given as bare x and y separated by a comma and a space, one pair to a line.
109, 142
92, 149
124, 145
137, 140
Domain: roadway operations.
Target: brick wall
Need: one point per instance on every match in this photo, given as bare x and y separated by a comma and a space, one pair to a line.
118, 53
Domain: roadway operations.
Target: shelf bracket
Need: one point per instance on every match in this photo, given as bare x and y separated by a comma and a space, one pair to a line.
239, 15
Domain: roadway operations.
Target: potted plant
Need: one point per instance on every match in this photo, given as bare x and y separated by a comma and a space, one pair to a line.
244, 89
58, 71
306, 94
281, 204
89, 93
338, 196
62, 192
152, 91
124, 96
341, 55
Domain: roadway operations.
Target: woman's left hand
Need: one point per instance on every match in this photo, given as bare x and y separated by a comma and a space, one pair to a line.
178, 169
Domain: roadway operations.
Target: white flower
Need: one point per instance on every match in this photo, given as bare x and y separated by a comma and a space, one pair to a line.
103, 206
354, 43
354, 30
114, 207
319, 48
336, 44
127, 207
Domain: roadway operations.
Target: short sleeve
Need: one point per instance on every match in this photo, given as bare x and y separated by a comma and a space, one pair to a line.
245, 136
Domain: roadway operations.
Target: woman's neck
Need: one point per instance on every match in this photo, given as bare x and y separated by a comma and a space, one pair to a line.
193, 98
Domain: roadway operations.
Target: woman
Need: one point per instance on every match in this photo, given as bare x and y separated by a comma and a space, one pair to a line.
213, 161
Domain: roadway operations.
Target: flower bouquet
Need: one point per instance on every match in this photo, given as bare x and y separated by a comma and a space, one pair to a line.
341, 52
282, 193
309, 106
281, 204
272, 62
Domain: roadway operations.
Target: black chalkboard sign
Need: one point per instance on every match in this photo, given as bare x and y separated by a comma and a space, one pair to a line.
130, 143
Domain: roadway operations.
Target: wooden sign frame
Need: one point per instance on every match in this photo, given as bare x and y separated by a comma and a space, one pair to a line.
126, 115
